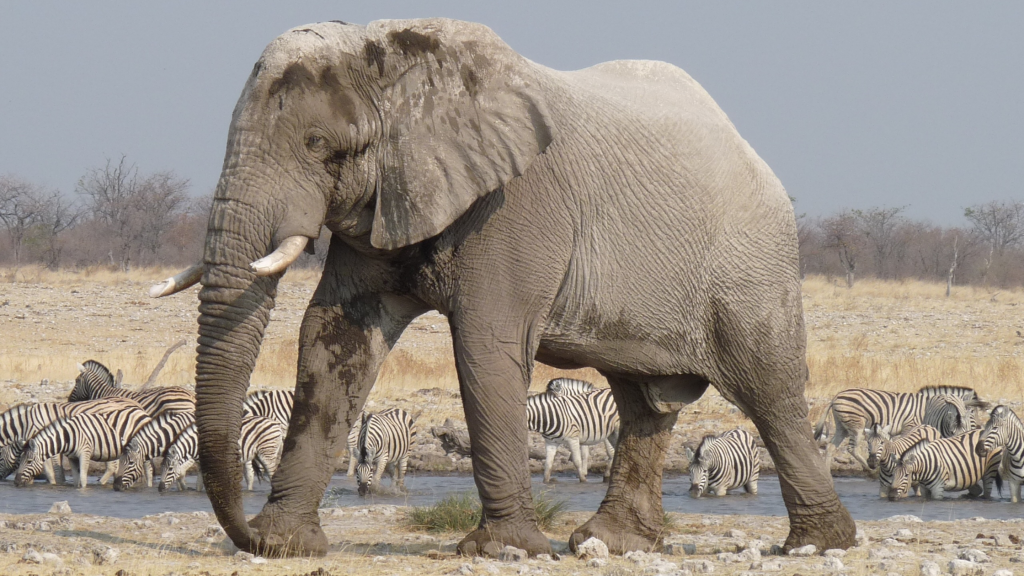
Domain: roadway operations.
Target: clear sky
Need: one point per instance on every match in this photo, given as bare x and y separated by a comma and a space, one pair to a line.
852, 104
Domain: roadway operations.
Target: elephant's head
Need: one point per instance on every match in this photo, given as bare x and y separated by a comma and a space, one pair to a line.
385, 134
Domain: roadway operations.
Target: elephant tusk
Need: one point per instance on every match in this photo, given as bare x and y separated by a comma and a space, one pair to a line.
281, 258
179, 282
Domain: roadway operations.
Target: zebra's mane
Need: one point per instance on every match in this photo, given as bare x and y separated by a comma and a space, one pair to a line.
963, 392
1011, 415
93, 367
915, 449
703, 444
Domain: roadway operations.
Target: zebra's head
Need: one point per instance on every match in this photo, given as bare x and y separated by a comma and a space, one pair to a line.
129, 467
699, 468
175, 465
995, 433
9, 454
878, 438
953, 416
92, 376
30, 467
364, 477
905, 471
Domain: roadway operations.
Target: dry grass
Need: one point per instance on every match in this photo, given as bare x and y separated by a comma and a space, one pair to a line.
888, 335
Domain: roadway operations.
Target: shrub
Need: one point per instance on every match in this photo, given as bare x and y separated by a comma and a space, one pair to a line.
461, 513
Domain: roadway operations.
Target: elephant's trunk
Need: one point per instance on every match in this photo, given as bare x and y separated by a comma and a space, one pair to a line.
234, 310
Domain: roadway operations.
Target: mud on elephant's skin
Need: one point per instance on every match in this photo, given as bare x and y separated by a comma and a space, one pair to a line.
608, 217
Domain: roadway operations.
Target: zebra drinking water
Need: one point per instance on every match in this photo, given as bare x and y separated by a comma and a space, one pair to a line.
95, 381
724, 462
884, 451
576, 419
151, 441
384, 441
857, 409
260, 441
946, 464
1005, 431
81, 438
353, 444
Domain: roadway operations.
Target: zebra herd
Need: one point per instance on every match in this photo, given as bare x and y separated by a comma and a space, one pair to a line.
928, 440
128, 430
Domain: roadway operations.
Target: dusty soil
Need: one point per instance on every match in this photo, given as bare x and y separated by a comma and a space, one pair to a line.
378, 540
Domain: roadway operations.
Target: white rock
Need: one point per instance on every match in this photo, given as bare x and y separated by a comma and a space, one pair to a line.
965, 568
903, 518
699, 566
770, 566
545, 558
1003, 573
835, 553
734, 533
464, 570
243, 556
904, 533
258, 560
32, 557
106, 556
833, 564
879, 553
61, 507
757, 545
51, 558
808, 550
592, 548
597, 562
728, 557
171, 520
1003, 540
930, 569
972, 555
749, 555
512, 554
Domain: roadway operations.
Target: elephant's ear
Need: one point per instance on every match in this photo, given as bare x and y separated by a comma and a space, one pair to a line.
463, 116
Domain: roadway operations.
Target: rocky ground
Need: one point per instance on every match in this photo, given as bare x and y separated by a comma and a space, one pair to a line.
379, 540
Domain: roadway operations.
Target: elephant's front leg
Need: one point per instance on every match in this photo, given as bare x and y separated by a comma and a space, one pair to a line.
341, 349
631, 516
494, 368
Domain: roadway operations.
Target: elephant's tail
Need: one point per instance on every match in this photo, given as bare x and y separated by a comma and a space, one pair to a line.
820, 429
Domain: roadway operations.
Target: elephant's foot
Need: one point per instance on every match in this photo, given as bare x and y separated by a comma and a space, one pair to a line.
620, 536
490, 539
281, 536
833, 528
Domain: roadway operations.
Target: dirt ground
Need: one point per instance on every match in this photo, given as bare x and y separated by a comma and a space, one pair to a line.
890, 336
378, 540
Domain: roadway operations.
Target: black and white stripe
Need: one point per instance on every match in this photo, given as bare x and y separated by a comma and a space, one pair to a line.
81, 438
260, 441
384, 441
856, 409
724, 462
559, 386
20, 423
353, 444
276, 404
577, 419
947, 464
884, 451
151, 441
1005, 431
95, 381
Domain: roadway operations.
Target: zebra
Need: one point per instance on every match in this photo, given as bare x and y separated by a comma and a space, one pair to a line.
1004, 430
149, 442
949, 414
260, 440
946, 464
353, 444
276, 404
884, 451
559, 386
82, 438
580, 419
23, 421
95, 381
384, 440
855, 409
723, 462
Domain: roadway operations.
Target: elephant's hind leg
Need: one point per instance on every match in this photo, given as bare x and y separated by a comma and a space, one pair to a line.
631, 516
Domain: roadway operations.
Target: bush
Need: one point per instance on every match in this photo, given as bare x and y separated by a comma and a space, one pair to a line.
461, 513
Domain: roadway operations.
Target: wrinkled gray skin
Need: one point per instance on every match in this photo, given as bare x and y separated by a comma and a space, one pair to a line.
609, 217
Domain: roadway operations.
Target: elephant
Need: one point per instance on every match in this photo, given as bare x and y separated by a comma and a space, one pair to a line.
610, 217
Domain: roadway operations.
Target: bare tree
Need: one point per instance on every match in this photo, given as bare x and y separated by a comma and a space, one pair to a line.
999, 223
56, 214
31, 213
880, 228
137, 210
842, 235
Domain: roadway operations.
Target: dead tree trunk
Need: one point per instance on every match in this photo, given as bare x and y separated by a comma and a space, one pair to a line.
952, 267
160, 365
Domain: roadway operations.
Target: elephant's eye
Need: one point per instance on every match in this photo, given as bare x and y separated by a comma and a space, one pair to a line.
314, 142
